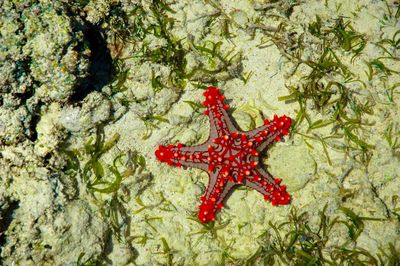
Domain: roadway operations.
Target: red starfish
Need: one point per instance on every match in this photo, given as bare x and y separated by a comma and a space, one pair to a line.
230, 156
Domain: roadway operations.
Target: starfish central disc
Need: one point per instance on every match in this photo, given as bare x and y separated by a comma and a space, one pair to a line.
234, 155
230, 157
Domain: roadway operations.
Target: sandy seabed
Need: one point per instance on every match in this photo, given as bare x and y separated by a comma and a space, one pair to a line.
89, 89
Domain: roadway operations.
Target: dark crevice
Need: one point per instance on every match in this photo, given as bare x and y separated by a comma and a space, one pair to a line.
23, 68
46, 159
100, 65
35, 118
100, 70
7, 211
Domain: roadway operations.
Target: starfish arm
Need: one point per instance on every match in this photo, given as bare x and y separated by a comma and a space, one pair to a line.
269, 132
212, 200
220, 123
179, 155
269, 187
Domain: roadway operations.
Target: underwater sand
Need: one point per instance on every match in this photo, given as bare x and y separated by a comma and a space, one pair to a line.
132, 74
